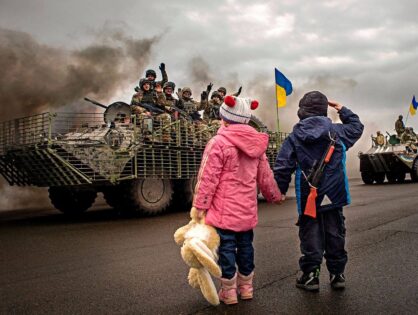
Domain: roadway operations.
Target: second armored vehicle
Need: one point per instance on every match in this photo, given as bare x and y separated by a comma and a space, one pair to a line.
390, 159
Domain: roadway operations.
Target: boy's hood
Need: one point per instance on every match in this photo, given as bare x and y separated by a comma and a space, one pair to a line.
246, 138
312, 129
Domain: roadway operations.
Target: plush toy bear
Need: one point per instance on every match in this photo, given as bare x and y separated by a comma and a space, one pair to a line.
200, 243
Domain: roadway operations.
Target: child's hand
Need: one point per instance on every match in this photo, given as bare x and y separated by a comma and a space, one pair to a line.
280, 201
201, 213
335, 105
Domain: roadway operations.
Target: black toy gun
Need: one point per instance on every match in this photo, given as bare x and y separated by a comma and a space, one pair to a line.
315, 177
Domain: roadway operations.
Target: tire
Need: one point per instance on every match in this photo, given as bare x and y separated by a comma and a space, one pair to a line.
367, 178
256, 123
72, 201
379, 178
150, 196
414, 171
183, 194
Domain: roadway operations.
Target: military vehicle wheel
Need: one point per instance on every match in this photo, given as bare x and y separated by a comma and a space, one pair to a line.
367, 178
256, 123
379, 178
183, 194
149, 196
72, 200
414, 171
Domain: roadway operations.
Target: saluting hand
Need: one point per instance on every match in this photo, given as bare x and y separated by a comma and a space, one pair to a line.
335, 105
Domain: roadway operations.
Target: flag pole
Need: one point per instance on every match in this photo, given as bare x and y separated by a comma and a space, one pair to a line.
277, 106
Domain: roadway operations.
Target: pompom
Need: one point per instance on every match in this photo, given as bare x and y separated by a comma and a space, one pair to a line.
229, 101
254, 104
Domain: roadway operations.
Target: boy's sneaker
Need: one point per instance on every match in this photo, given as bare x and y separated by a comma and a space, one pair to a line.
337, 281
309, 281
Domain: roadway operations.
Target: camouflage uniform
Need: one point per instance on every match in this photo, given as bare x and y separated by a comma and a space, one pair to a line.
154, 74
379, 140
170, 101
408, 136
197, 128
400, 126
154, 98
211, 114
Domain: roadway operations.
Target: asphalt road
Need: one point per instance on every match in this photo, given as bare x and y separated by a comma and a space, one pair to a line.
107, 264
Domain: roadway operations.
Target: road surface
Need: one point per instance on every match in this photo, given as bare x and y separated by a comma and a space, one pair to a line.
107, 264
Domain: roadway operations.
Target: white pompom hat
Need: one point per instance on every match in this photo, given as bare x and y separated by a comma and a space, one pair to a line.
237, 110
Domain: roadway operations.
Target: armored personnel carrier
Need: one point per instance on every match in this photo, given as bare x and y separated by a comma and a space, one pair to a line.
130, 160
391, 158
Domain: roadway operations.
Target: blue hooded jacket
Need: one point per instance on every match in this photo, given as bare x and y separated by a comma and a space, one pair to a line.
305, 146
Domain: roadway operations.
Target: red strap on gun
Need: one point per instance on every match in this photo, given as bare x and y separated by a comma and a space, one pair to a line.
314, 178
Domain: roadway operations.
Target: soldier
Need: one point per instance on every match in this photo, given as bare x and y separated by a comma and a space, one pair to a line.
211, 113
222, 92
190, 106
152, 99
168, 89
379, 139
408, 136
399, 126
151, 75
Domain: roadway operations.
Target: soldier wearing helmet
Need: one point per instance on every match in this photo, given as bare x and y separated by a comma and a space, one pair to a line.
170, 101
408, 136
211, 114
146, 95
151, 75
222, 92
399, 126
379, 139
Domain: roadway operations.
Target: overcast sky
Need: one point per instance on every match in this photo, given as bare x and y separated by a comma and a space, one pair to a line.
363, 54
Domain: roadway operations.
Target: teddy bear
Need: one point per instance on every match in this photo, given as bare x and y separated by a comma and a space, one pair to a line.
199, 244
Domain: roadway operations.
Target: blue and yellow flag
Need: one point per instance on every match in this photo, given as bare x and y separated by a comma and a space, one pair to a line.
413, 107
283, 88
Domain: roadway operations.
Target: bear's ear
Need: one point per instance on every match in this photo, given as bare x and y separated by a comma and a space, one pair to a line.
254, 104
229, 100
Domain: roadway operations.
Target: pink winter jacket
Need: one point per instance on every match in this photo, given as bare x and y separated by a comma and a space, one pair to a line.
233, 164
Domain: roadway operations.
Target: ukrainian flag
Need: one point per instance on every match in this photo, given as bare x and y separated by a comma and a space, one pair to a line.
413, 107
283, 88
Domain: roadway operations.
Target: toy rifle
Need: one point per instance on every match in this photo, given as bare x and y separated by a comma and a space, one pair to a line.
315, 177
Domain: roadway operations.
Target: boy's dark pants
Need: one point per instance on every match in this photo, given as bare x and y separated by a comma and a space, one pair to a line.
323, 237
236, 248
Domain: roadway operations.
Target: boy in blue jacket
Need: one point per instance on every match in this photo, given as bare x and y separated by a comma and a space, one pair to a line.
323, 236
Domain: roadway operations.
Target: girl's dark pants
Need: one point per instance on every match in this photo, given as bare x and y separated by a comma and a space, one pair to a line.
323, 237
236, 248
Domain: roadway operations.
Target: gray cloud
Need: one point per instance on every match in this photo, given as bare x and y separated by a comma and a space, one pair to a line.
37, 77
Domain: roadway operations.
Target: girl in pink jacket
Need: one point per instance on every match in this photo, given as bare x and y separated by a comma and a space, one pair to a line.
234, 164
